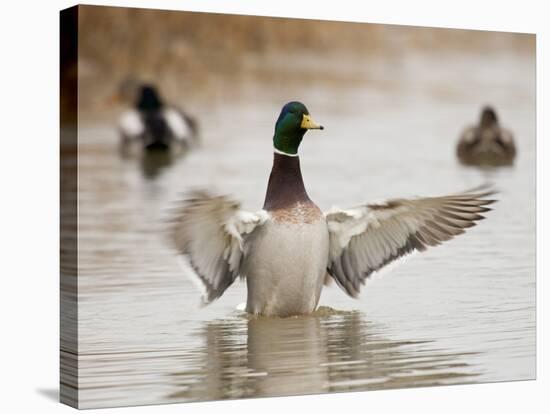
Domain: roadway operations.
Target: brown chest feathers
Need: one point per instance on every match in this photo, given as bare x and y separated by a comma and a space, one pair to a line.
299, 213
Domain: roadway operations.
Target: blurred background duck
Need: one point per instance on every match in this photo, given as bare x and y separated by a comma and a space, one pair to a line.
150, 123
486, 144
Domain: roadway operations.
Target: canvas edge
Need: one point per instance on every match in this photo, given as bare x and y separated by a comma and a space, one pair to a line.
68, 186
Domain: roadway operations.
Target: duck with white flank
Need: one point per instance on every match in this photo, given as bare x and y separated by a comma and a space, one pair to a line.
486, 144
151, 123
285, 250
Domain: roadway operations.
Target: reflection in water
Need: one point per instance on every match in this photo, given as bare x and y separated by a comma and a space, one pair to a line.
329, 351
152, 161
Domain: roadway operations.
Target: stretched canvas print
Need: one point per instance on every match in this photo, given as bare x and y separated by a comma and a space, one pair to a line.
237, 193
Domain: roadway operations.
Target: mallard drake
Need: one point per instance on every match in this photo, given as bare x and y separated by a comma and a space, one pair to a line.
151, 122
285, 250
486, 143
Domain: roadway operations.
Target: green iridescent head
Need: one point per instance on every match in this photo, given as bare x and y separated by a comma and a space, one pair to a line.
292, 124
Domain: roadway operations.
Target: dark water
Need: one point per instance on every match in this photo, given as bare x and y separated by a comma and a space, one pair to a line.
460, 313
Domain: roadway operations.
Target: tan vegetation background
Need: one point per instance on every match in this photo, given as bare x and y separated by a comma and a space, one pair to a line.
181, 50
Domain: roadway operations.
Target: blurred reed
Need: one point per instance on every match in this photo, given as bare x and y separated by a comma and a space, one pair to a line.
180, 49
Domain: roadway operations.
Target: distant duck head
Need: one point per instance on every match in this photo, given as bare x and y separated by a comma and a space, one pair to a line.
141, 96
148, 99
488, 117
293, 122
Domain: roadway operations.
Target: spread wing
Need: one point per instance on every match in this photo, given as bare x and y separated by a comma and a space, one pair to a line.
131, 125
209, 234
183, 127
368, 237
507, 140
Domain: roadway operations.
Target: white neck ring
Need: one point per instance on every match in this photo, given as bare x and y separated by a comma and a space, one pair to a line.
276, 151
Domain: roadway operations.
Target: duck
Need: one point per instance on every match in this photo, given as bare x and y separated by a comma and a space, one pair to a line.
287, 249
151, 122
487, 143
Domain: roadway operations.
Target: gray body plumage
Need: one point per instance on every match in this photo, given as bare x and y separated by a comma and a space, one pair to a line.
285, 265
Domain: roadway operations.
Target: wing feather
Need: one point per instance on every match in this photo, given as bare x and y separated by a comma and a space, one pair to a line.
366, 238
210, 233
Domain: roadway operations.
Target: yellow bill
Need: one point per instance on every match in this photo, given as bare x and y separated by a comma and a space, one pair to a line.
309, 123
